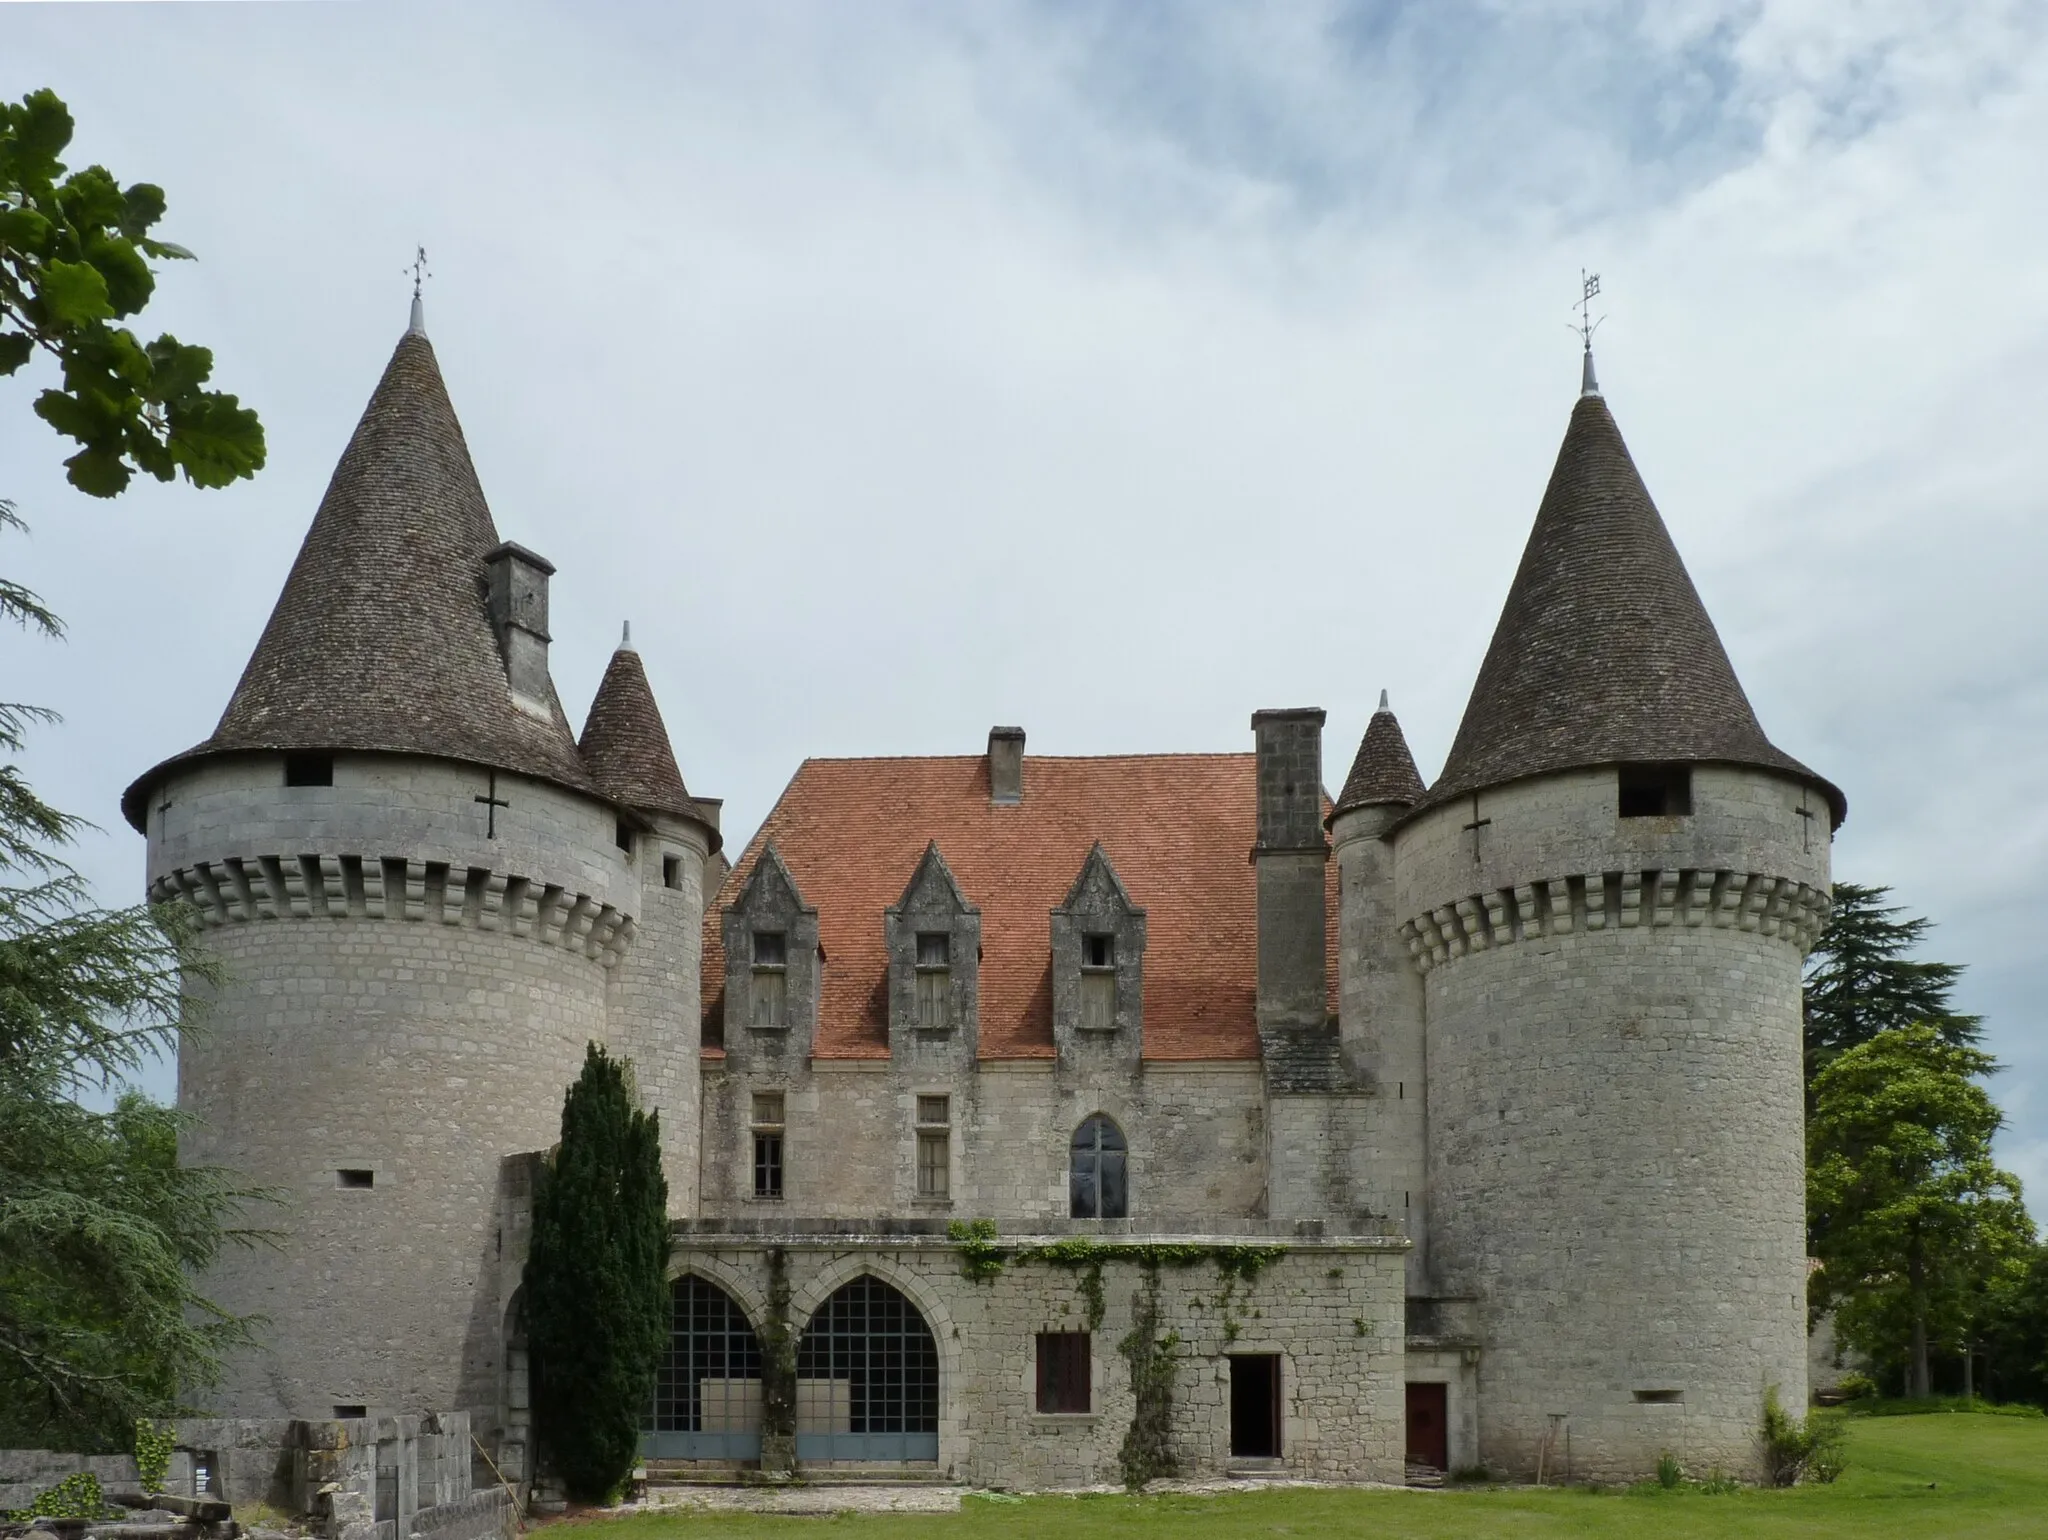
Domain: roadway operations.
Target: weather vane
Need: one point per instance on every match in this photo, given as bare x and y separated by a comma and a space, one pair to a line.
1589, 285
419, 270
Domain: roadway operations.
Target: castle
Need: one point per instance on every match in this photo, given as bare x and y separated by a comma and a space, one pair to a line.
1457, 1123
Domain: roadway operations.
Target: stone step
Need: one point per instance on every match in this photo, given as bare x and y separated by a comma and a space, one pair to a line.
695, 1474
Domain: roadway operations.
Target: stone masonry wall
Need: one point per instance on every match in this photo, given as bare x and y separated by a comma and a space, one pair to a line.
1331, 1310
1615, 1115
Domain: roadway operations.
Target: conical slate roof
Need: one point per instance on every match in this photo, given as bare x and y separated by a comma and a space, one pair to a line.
380, 640
1384, 771
1604, 653
625, 743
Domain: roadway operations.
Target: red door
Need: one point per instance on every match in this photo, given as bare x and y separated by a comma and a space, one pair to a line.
1428, 1427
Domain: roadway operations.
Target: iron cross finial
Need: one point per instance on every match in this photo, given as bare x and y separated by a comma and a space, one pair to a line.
419, 270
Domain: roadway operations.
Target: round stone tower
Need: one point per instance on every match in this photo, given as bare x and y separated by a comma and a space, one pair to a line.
424, 900
1609, 893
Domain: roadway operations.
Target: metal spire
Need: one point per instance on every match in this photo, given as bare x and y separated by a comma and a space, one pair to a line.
1383, 702
626, 637
1589, 285
418, 269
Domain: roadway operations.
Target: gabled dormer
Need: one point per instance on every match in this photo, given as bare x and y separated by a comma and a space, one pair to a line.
772, 964
934, 939
1098, 965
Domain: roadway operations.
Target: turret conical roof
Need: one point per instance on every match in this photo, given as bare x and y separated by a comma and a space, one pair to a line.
381, 640
625, 742
1604, 653
1384, 772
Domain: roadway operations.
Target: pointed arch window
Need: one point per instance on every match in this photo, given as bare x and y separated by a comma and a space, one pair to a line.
1097, 1184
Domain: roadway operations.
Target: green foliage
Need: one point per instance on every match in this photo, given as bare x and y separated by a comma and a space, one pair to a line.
74, 252
1859, 981
101, 1231
1912, 1222
153, 1448
1795, 1450
1892, 1406
597, 1281
77, 1496
1856, 1387
2013, 1330
1669, 1472
981, 1260
1146, 1453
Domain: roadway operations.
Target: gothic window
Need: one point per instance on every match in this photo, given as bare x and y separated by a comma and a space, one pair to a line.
934, 979
768, 1129
1096, 1183
934, 1146
707, 1390
867, 1379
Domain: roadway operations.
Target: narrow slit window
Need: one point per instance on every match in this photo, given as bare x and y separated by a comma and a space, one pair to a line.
672, 871
622, 835
355, 1178
934, 1146
309, 769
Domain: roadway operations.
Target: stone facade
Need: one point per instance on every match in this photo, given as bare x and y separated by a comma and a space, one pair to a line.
1505, 1073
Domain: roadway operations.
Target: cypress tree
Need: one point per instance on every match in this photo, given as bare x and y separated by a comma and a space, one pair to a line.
1860, 982
596, 1282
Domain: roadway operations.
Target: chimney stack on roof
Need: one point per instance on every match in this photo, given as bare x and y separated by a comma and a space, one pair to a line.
1006, 766
1290, 855
519, 616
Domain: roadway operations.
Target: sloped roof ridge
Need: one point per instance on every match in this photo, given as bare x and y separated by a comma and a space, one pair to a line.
1603, 653
380, 639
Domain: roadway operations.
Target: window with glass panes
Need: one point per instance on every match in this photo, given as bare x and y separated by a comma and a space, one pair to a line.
771, 979
934, 1146
768, 1126
934, 979
1098, 982
1096, 1174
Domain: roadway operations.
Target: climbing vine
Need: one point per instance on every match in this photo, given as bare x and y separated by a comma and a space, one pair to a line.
154, 1445
981, 1259
778, 1370
1146, 1453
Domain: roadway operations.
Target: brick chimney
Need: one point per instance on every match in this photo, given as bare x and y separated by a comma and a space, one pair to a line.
518, 601
1290, 856
1006, 765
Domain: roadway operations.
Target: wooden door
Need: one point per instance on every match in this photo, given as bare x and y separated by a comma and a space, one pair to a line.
1429, 1431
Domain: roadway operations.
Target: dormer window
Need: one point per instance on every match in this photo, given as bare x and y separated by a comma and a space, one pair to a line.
771, 978
1098, 982
1656, 791
934, 979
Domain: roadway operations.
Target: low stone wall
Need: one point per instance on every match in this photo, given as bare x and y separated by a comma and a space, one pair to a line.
25, 1474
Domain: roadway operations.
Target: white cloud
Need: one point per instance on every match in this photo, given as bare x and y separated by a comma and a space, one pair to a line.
899, 370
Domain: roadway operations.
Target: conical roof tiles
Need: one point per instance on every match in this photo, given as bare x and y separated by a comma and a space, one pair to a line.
380, 640
625, 742
1604, 653
1384, 771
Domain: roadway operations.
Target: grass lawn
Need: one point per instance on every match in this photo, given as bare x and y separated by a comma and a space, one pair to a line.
1936, 1475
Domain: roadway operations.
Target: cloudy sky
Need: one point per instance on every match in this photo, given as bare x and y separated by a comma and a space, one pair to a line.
1116, 370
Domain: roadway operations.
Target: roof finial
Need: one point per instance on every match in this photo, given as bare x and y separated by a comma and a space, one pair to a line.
1589, 285
1383, 702
419, 270
626, 637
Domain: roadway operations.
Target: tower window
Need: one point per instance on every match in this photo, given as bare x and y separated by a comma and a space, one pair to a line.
768, 1115
622, 836
1656, 791
672, 871
356, 1178
309, 769
1660, 1397
345, 1410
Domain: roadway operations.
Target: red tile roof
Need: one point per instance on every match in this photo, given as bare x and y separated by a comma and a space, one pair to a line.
1177, 827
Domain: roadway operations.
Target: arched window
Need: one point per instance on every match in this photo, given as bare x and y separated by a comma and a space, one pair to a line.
1095, 1174
707, 1392
867, 1379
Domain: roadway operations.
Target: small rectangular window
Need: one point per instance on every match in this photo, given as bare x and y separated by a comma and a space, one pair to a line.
934, 1110
1655, 791
767, 1163
1098, 1000
672, 871
355, 1177
1063, 1372
622, 836
1098, 951
934, 1175
1660, 1397
934, 949
771, 949
934, 998
768, 1109
771, 997
347, 1410
309, 769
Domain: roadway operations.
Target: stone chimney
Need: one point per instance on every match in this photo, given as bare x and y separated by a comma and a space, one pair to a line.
1290, 856
518, 600
1006, 765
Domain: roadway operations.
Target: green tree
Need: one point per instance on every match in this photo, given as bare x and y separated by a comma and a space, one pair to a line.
2014, 1332
596, 1281
74, 252
1912, 1221
1860, 981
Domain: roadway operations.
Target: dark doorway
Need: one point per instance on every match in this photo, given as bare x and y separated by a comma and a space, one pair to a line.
1429, 1429
1255, 1406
